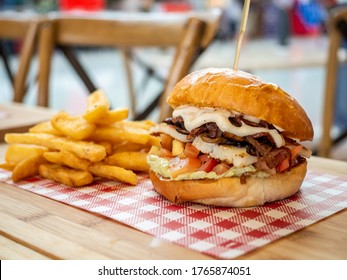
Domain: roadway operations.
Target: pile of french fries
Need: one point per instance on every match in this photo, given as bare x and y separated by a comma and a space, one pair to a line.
74, 150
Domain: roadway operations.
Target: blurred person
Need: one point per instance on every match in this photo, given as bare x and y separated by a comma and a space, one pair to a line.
284, 7
45, 6
233, 13
130, 5
146, 5
308, 17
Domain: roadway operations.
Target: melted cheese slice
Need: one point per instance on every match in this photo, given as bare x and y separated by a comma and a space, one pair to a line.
194, 117
237, 156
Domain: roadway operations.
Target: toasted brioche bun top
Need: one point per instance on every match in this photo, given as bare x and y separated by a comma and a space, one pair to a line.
241, 92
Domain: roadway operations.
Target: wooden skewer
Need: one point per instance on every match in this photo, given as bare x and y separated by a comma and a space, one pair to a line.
242, 31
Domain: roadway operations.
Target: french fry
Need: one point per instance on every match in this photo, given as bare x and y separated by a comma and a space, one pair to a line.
118, 135
74, 127
154, 150
146, 124
7, 166
83, 149
15, 153
129, 147
139, 125
27, 168
166, 141
113, 172
65, 175
113, 116
97, 108
129, 160
177, 147
154, 141
68, 159
45, 127
107, 145
53, 157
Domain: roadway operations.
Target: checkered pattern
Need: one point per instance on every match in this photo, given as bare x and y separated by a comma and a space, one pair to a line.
217, 231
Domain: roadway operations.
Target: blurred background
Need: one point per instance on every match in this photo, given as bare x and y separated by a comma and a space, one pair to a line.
286, 42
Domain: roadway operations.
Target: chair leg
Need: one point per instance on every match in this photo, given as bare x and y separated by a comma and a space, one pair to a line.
149, 72
330, 88
144, 114
3, 54
126, 55
71, 57
340, 138
46, 49
20, 85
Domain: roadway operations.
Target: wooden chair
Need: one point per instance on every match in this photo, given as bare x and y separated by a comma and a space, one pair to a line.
24, 30
189, 34
337, 31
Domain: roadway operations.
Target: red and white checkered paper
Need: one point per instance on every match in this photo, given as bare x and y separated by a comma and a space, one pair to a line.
217, 231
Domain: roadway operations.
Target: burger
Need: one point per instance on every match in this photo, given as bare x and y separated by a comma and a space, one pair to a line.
233, 140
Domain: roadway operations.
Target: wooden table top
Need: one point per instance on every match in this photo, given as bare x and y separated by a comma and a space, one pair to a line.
35, 227
16, 117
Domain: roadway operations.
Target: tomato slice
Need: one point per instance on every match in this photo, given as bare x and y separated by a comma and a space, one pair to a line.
184, 165
190, 150
284, 165
221, 168
207, 163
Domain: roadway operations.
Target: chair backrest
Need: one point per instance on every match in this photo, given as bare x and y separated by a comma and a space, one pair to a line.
338, 17
19, 29
188, 33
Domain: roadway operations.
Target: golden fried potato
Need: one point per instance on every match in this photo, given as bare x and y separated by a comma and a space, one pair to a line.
15, 153
177, 147
129, 160
119, 134
130, 147
27, 168
166, 141
65, 175
107, 145
98, 106
83, 149
154, 141
154, 150
53, 157
7, 166
74, 127
45, 127
113, 116
113, 172
145, 124
67, 158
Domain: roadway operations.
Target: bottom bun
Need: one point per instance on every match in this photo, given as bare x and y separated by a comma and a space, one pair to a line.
229, 191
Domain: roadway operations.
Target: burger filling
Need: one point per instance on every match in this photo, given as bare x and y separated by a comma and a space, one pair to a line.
210, 143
